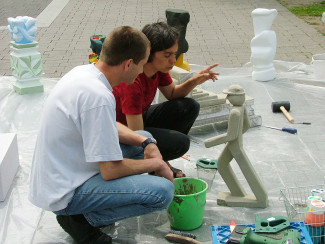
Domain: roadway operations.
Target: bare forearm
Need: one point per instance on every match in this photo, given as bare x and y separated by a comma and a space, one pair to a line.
183, 89
127, 167
128, 136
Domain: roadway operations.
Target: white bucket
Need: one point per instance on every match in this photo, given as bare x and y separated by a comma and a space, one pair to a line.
318, 62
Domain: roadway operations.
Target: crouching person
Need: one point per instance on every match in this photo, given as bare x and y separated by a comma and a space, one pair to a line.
87, 168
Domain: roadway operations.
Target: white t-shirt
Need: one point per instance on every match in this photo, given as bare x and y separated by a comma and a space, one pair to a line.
78, 130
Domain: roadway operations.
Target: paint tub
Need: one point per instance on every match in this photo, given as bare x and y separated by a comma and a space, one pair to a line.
318, 62
186, 211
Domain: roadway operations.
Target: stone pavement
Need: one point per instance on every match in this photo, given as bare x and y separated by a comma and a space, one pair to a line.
219, 30
15, 8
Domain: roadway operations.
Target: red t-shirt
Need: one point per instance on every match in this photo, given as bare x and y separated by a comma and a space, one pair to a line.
137, 97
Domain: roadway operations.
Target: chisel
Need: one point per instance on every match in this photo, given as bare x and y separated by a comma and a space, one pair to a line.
289, 130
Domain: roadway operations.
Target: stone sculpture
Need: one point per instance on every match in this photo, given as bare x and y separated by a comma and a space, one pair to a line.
238, 124
263, 45
26, 62
22, 29
179, 19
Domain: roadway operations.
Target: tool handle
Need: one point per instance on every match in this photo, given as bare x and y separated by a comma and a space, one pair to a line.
290, 130
181, 239
286, 113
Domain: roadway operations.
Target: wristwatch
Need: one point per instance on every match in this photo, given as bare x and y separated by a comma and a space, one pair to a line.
148, 141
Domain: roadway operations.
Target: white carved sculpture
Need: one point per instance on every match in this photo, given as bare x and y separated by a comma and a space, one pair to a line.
25, 60
263, 45
22, 29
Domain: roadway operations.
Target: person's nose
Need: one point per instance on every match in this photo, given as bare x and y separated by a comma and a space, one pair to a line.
173, 59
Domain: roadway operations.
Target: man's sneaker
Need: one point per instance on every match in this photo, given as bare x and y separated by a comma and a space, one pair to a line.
81, 231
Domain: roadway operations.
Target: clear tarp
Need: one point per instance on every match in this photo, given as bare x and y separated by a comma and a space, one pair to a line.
281, 159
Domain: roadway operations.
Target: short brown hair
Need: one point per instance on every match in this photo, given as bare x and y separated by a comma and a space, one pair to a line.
124, 43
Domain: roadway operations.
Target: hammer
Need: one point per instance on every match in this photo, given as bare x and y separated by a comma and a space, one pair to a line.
283, 106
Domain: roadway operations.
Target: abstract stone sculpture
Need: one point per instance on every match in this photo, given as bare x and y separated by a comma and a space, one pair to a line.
263, 45
26, 62
179, 19
238, 124
22, 29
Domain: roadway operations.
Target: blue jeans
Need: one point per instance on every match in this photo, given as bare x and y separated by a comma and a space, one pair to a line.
105, 202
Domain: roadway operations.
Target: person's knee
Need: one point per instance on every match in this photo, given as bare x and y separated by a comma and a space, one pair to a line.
164, 190
167, 193
183, 144
144, 133
194, 105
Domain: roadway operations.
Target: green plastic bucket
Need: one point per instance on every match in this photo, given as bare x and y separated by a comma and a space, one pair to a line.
186, 211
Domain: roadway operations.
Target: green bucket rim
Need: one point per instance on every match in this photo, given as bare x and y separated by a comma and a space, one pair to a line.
193, 194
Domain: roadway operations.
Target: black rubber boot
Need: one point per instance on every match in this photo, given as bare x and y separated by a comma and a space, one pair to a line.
81, 231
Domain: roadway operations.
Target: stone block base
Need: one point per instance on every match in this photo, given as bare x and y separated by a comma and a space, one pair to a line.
9, 162
248, 201
27, 87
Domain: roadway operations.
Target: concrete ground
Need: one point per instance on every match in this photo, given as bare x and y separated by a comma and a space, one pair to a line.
218, 31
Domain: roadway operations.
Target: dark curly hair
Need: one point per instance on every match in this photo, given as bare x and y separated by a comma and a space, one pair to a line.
161, 36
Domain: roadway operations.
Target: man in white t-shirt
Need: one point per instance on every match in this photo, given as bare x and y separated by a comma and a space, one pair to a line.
87, 168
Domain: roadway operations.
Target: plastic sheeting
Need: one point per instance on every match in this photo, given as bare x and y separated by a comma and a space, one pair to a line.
280, 159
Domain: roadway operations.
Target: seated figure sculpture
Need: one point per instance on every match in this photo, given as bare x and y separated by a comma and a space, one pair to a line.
22, 29
238, 124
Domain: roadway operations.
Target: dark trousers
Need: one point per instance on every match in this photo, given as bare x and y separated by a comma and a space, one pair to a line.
169, 123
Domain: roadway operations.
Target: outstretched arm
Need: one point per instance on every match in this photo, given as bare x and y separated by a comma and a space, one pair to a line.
232, 131
173, 91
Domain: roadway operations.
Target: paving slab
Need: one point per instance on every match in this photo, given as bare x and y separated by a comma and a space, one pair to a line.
219, 31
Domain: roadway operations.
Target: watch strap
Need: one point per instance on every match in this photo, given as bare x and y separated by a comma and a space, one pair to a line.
148, 141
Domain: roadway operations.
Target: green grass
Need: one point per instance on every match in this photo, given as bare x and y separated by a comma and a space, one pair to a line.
315, 9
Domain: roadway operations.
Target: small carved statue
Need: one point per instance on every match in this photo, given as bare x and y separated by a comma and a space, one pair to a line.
22, 29
238, 124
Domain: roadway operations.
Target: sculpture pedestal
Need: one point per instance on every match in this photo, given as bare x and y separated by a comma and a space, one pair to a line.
248, 201
26, 67
265, 73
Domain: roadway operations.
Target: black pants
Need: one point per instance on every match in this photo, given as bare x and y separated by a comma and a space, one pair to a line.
169, 123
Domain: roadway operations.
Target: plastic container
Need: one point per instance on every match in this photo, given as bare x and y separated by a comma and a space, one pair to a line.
186, 211
318, 192
300, 207
206, 170
315, 218
221, 233
318, 62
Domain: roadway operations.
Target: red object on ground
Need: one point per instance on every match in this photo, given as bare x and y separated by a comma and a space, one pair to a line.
315, 220
232, 225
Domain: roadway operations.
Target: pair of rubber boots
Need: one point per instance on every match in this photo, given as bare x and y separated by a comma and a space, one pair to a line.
81, 231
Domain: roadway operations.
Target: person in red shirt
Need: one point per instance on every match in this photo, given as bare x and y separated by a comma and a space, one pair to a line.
169, 122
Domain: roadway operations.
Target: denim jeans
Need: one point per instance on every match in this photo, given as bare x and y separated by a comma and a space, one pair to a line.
105, 202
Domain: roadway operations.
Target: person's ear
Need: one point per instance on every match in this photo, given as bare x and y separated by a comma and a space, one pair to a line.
127, 64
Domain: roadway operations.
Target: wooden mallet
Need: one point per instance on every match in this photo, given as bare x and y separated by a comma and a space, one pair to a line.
284, 107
